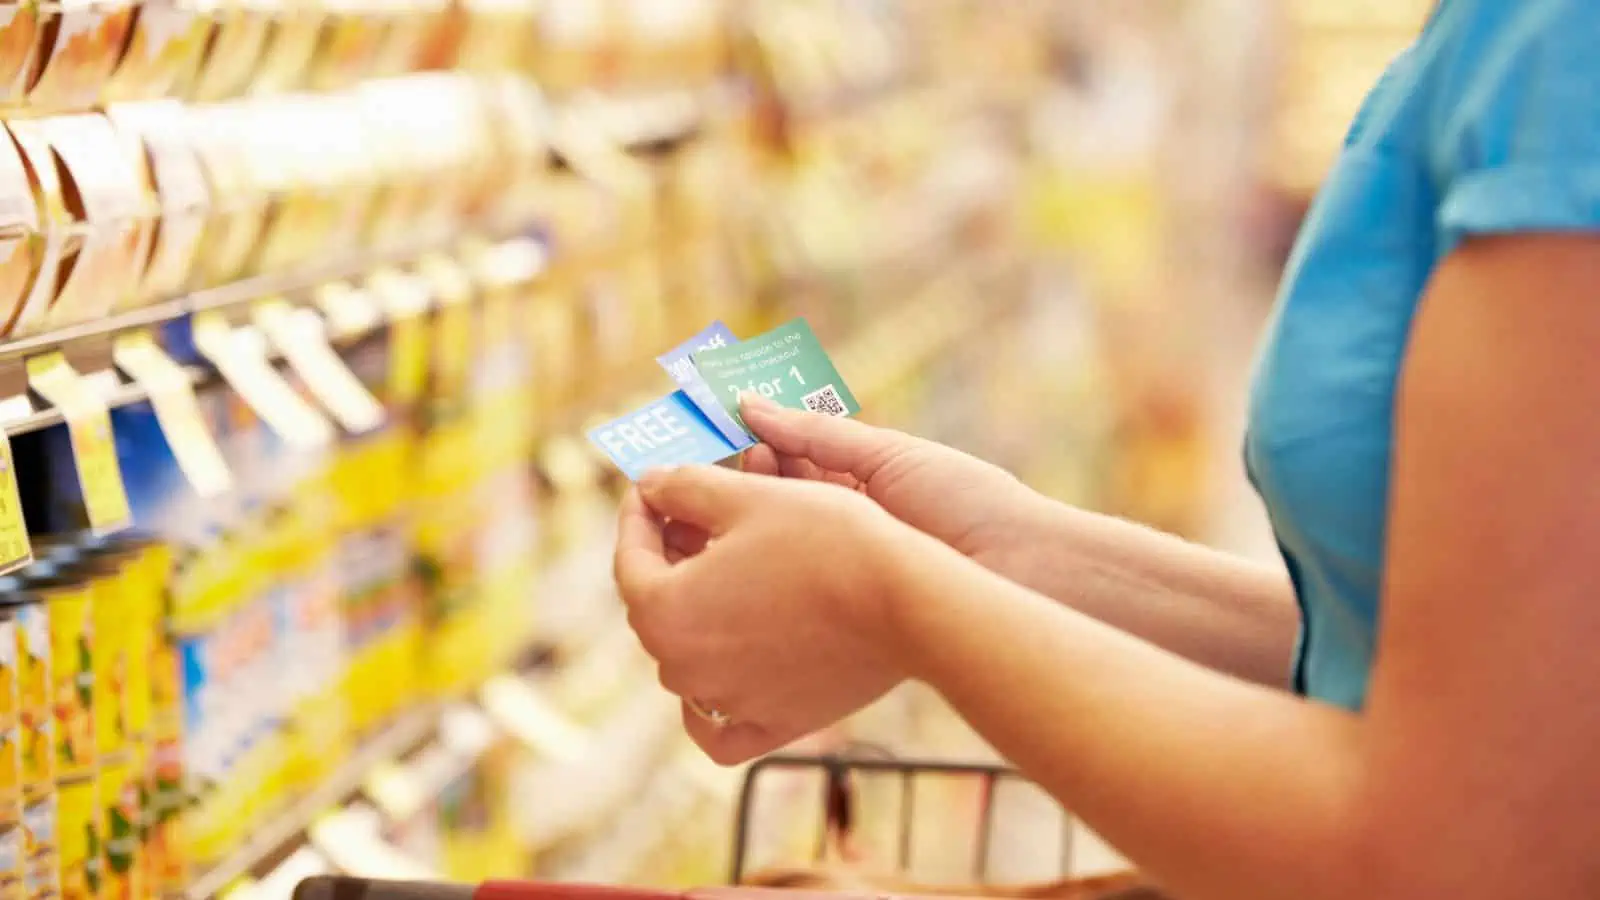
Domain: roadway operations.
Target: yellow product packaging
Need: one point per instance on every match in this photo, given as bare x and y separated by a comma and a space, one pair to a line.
80, 44
121, 822
165, 852
35, 743
11, 836
78, 812
68, 602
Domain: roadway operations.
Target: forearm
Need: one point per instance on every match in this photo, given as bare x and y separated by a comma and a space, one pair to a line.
1222, 611
1219, 788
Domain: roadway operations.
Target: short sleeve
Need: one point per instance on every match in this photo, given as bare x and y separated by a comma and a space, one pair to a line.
1519, 139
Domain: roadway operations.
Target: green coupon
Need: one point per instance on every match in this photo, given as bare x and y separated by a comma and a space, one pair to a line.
786, 365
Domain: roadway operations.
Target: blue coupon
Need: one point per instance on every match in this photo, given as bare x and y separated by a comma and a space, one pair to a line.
679, 363
668, 432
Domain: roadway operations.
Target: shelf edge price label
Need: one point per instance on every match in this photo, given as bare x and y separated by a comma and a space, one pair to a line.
241, 356
16, 550
94, 449
301, 337
172, 397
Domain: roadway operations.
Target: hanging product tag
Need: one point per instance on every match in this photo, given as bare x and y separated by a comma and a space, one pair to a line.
301, 337
405, 301
679, 363
241, 356
350, 311
94, 450
786, 365
16, 550
172, 397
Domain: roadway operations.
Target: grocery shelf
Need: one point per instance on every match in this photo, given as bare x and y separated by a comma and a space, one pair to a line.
394, 742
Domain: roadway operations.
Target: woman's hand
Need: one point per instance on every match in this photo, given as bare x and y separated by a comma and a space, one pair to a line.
977, 508
778, 621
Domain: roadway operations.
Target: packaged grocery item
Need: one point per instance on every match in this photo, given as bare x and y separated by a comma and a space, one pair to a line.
21, 241
165, 851
120, 821
238, 35
218, 135
19, 31
53, 239
408, 34
12, 851
154, 141
94, 238
81, 854
291, 46
39, 717
351, 40
164, 46
80, 44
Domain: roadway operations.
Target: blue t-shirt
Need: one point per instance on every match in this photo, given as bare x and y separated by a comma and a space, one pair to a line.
1488, 124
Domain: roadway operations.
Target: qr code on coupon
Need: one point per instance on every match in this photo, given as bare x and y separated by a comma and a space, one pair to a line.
825, 400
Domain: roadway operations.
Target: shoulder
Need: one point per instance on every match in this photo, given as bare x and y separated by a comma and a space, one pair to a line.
1514, 131
1507, 72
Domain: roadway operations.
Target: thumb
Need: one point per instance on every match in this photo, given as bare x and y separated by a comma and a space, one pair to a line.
833, 443
708, 497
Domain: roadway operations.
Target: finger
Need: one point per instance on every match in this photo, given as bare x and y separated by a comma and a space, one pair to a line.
761, 460
834, 444
710, 497
640, 562
730, 744
683, 540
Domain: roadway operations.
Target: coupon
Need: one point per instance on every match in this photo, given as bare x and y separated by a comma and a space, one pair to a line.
786, 365
679, 363
667, 432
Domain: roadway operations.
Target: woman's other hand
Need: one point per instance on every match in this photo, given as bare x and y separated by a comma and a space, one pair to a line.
779, 620
979, 509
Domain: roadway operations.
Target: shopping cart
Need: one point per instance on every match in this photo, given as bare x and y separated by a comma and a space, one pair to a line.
841, 776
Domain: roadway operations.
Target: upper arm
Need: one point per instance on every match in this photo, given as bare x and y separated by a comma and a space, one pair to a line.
1485, 700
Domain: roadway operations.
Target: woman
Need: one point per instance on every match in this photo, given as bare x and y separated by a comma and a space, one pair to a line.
1410, 710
